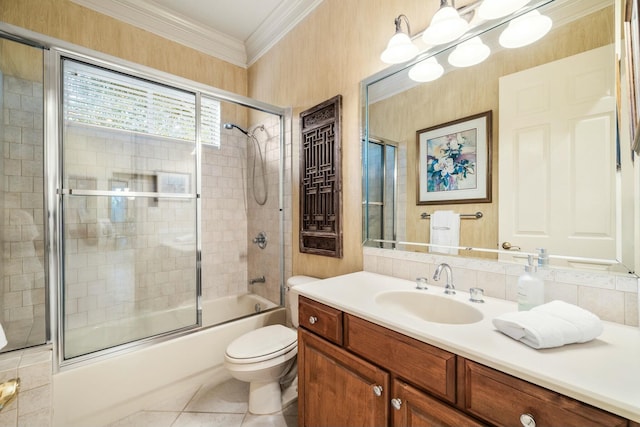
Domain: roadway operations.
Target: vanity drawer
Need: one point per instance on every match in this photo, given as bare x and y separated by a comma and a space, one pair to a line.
501, 399
320, 319
418, 363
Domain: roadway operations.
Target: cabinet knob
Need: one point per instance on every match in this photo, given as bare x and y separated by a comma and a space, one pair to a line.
377, 390
527, 420
313, 320
396, 403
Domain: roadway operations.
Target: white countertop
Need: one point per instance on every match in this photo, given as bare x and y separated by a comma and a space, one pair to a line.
604, 372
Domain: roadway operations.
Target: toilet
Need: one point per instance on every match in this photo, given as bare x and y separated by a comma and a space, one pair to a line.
266, 359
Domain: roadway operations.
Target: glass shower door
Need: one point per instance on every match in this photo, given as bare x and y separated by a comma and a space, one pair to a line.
22, 232
129, 209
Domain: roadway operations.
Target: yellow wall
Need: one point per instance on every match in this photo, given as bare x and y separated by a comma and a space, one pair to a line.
67, 21
329, 53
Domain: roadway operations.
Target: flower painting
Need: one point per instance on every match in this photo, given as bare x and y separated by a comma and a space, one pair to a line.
454, 161
451, 161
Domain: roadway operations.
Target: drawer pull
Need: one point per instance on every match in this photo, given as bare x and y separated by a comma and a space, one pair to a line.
377, 390
396, 403
313, 320
527, 420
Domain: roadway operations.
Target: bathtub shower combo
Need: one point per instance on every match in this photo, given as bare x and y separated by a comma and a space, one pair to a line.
137, 208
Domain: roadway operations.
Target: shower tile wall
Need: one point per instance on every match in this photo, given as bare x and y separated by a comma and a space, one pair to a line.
22, 277
266, 262
224, 219
125, 256
231, 218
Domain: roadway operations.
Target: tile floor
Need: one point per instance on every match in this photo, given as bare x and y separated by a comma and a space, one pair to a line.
211, 406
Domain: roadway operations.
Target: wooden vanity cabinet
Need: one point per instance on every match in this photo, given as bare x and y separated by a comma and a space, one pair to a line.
350, 385
352, 372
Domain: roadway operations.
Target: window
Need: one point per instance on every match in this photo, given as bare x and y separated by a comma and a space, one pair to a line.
99, 97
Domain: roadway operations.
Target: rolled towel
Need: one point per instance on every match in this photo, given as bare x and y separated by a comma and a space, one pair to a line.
550, 325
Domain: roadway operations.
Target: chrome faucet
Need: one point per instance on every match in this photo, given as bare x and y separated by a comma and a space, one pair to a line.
449, 289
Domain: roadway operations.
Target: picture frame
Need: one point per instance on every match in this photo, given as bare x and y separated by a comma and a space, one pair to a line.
454, 161
173, 183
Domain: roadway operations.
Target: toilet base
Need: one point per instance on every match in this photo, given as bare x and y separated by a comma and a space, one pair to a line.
290, 393
265, 397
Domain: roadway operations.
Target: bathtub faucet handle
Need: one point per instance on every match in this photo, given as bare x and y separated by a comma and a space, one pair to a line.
261, 240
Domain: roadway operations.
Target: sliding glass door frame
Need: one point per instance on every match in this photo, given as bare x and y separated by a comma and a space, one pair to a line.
53, 164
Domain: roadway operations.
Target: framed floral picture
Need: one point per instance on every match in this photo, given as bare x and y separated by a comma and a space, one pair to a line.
454, 161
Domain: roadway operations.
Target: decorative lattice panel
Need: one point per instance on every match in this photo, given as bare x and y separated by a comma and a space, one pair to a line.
320, 180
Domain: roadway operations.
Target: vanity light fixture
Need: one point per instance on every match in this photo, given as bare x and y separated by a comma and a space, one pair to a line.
426, 71
525, 29
400, 47
494, 9
468, 53
446, 25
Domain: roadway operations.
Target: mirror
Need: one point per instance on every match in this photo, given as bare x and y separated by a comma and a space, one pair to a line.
588, 224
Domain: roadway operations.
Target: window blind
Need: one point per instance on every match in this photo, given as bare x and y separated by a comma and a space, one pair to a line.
99, 97
210, 121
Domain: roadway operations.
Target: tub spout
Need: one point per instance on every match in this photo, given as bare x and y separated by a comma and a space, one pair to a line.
260, 279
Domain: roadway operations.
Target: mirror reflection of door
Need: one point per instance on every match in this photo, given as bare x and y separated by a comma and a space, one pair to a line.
382, 184
559, 120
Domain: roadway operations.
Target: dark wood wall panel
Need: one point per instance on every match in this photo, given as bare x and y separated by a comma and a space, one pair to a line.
320, 179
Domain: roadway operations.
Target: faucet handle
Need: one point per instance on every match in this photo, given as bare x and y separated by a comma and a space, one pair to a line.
421, 283
476, 294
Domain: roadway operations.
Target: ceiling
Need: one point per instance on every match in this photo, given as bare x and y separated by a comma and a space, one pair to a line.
236, 31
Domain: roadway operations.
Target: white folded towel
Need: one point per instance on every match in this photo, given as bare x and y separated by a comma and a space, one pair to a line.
444, 230
550, 325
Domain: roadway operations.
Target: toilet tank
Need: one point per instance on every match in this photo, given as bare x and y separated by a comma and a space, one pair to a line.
293, 295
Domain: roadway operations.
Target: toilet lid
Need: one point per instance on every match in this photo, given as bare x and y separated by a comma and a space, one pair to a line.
262, 344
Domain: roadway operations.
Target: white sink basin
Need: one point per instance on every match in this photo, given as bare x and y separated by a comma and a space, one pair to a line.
429, 307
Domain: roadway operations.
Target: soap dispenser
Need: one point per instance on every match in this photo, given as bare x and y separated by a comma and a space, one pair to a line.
530, 287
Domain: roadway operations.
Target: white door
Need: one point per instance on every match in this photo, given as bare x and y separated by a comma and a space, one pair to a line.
557, 157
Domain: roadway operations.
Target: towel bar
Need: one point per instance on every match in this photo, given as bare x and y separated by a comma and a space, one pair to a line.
476, 215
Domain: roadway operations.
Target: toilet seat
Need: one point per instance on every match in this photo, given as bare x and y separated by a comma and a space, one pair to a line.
262, 344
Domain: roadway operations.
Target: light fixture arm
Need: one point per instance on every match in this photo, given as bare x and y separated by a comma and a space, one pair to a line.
398, 22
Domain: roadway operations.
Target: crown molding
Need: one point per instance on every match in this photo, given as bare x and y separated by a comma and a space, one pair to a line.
149, 16
180, 29
282, 20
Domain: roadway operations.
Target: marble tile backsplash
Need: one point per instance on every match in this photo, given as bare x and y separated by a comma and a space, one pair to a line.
613, 297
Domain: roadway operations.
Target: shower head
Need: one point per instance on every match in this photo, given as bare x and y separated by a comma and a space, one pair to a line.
233, 125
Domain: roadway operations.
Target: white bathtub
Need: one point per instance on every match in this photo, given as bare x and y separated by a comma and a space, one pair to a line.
104, 391
222, 309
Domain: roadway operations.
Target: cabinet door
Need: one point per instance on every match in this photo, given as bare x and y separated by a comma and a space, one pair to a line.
413, 408
502, 400
336, 388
